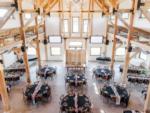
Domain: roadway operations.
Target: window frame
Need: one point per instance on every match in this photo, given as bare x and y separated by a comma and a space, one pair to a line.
55, 54
77, 24
124, 16
54, 42
97, 42
5, 11
122, 54
141, 57
84, 25
67, 25
95, 54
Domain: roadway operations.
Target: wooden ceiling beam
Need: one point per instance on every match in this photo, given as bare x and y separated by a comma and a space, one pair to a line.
102, 6
50, 6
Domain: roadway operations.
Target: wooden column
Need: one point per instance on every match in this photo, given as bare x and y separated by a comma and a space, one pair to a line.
147, 102
45, 38
129, 38
22, 32
65, 60
106, 37
70, 19
114, 43
3, 92
37, 42
81, 19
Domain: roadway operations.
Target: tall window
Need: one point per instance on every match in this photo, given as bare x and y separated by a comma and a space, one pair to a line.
66, 26
97, 39
55, 51
143, 56
120, 51
3, 12
95, 51
55, 39
125, 15
75, 24
31, 51
28, 15
75, 45
85, 26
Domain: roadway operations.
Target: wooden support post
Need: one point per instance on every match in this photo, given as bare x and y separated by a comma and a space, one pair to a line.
45, 38
89, 20
106, 38
22, 32
65, 60
3, 92
114, 43
70, 20
37, 42
147, 102
81, 19
129, 38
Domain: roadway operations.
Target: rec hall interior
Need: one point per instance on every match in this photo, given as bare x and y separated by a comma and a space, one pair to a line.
74, 56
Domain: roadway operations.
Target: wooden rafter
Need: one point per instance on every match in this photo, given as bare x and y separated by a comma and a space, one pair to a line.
102, 6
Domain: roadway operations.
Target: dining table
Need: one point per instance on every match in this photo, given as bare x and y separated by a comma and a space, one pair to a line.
117, 93
75, 103
46, 72
37, 92
76, 79
103, 73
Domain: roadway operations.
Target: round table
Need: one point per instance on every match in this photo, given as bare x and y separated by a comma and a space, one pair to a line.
109, 92
46, 72
76, 80
75, 103
43, 93
105, 74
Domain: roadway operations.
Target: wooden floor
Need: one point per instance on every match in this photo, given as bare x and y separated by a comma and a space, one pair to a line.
58, 88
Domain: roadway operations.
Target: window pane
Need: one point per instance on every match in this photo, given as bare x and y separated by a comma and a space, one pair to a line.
27, 15
75, 25
120, 51
112, 17
125, 15
96, 39
95, 51
55, 39
66, 26
143, 56
3, 12
75, 44
55, 51
85, 26
31, 51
